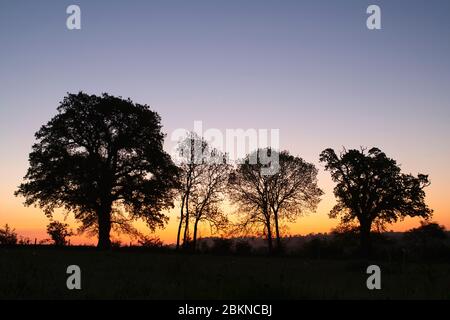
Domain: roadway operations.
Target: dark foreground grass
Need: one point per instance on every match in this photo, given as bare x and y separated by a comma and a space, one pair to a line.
40, 273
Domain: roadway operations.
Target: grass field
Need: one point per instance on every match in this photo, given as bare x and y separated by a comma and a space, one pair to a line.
40, 273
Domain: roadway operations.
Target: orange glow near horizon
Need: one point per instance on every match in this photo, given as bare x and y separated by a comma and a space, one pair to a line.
31, 222
312, 71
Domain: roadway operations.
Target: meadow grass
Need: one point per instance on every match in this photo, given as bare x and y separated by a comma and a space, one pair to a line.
40, 273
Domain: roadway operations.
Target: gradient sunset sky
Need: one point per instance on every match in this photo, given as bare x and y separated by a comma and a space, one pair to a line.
309, 68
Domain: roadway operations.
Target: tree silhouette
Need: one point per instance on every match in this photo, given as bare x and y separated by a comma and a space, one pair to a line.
249, 190
204, 173
266, 199
292, 190
209, 193
190, 162
370, 188
99, 155
58, 232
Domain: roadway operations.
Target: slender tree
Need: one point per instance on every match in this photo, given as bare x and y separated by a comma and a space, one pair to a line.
204, 172
371, 188
98, 155
209, 193
191, 163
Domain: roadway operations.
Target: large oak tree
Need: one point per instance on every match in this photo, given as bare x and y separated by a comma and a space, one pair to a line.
371, 189
101, 155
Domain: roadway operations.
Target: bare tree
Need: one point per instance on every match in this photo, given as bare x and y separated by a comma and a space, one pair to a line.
264, 200
249, 190
204, 173
292, 190
190, 161
209, 193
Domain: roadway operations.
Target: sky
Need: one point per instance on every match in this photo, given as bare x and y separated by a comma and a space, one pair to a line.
311, 69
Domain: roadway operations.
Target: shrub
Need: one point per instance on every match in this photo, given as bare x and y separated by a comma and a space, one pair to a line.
8, 236
58, 232
150, 242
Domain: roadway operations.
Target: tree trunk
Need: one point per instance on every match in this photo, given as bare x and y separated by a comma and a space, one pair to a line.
104, 228
186, 225
180, 225
277, 232
194, 241
269, 236
365, 241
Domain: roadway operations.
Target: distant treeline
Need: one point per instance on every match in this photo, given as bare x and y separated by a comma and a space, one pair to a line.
429, 242
415, 244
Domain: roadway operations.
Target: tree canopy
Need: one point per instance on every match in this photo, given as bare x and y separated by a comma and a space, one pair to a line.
204, 173
267, 199
370, 188
100, 155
